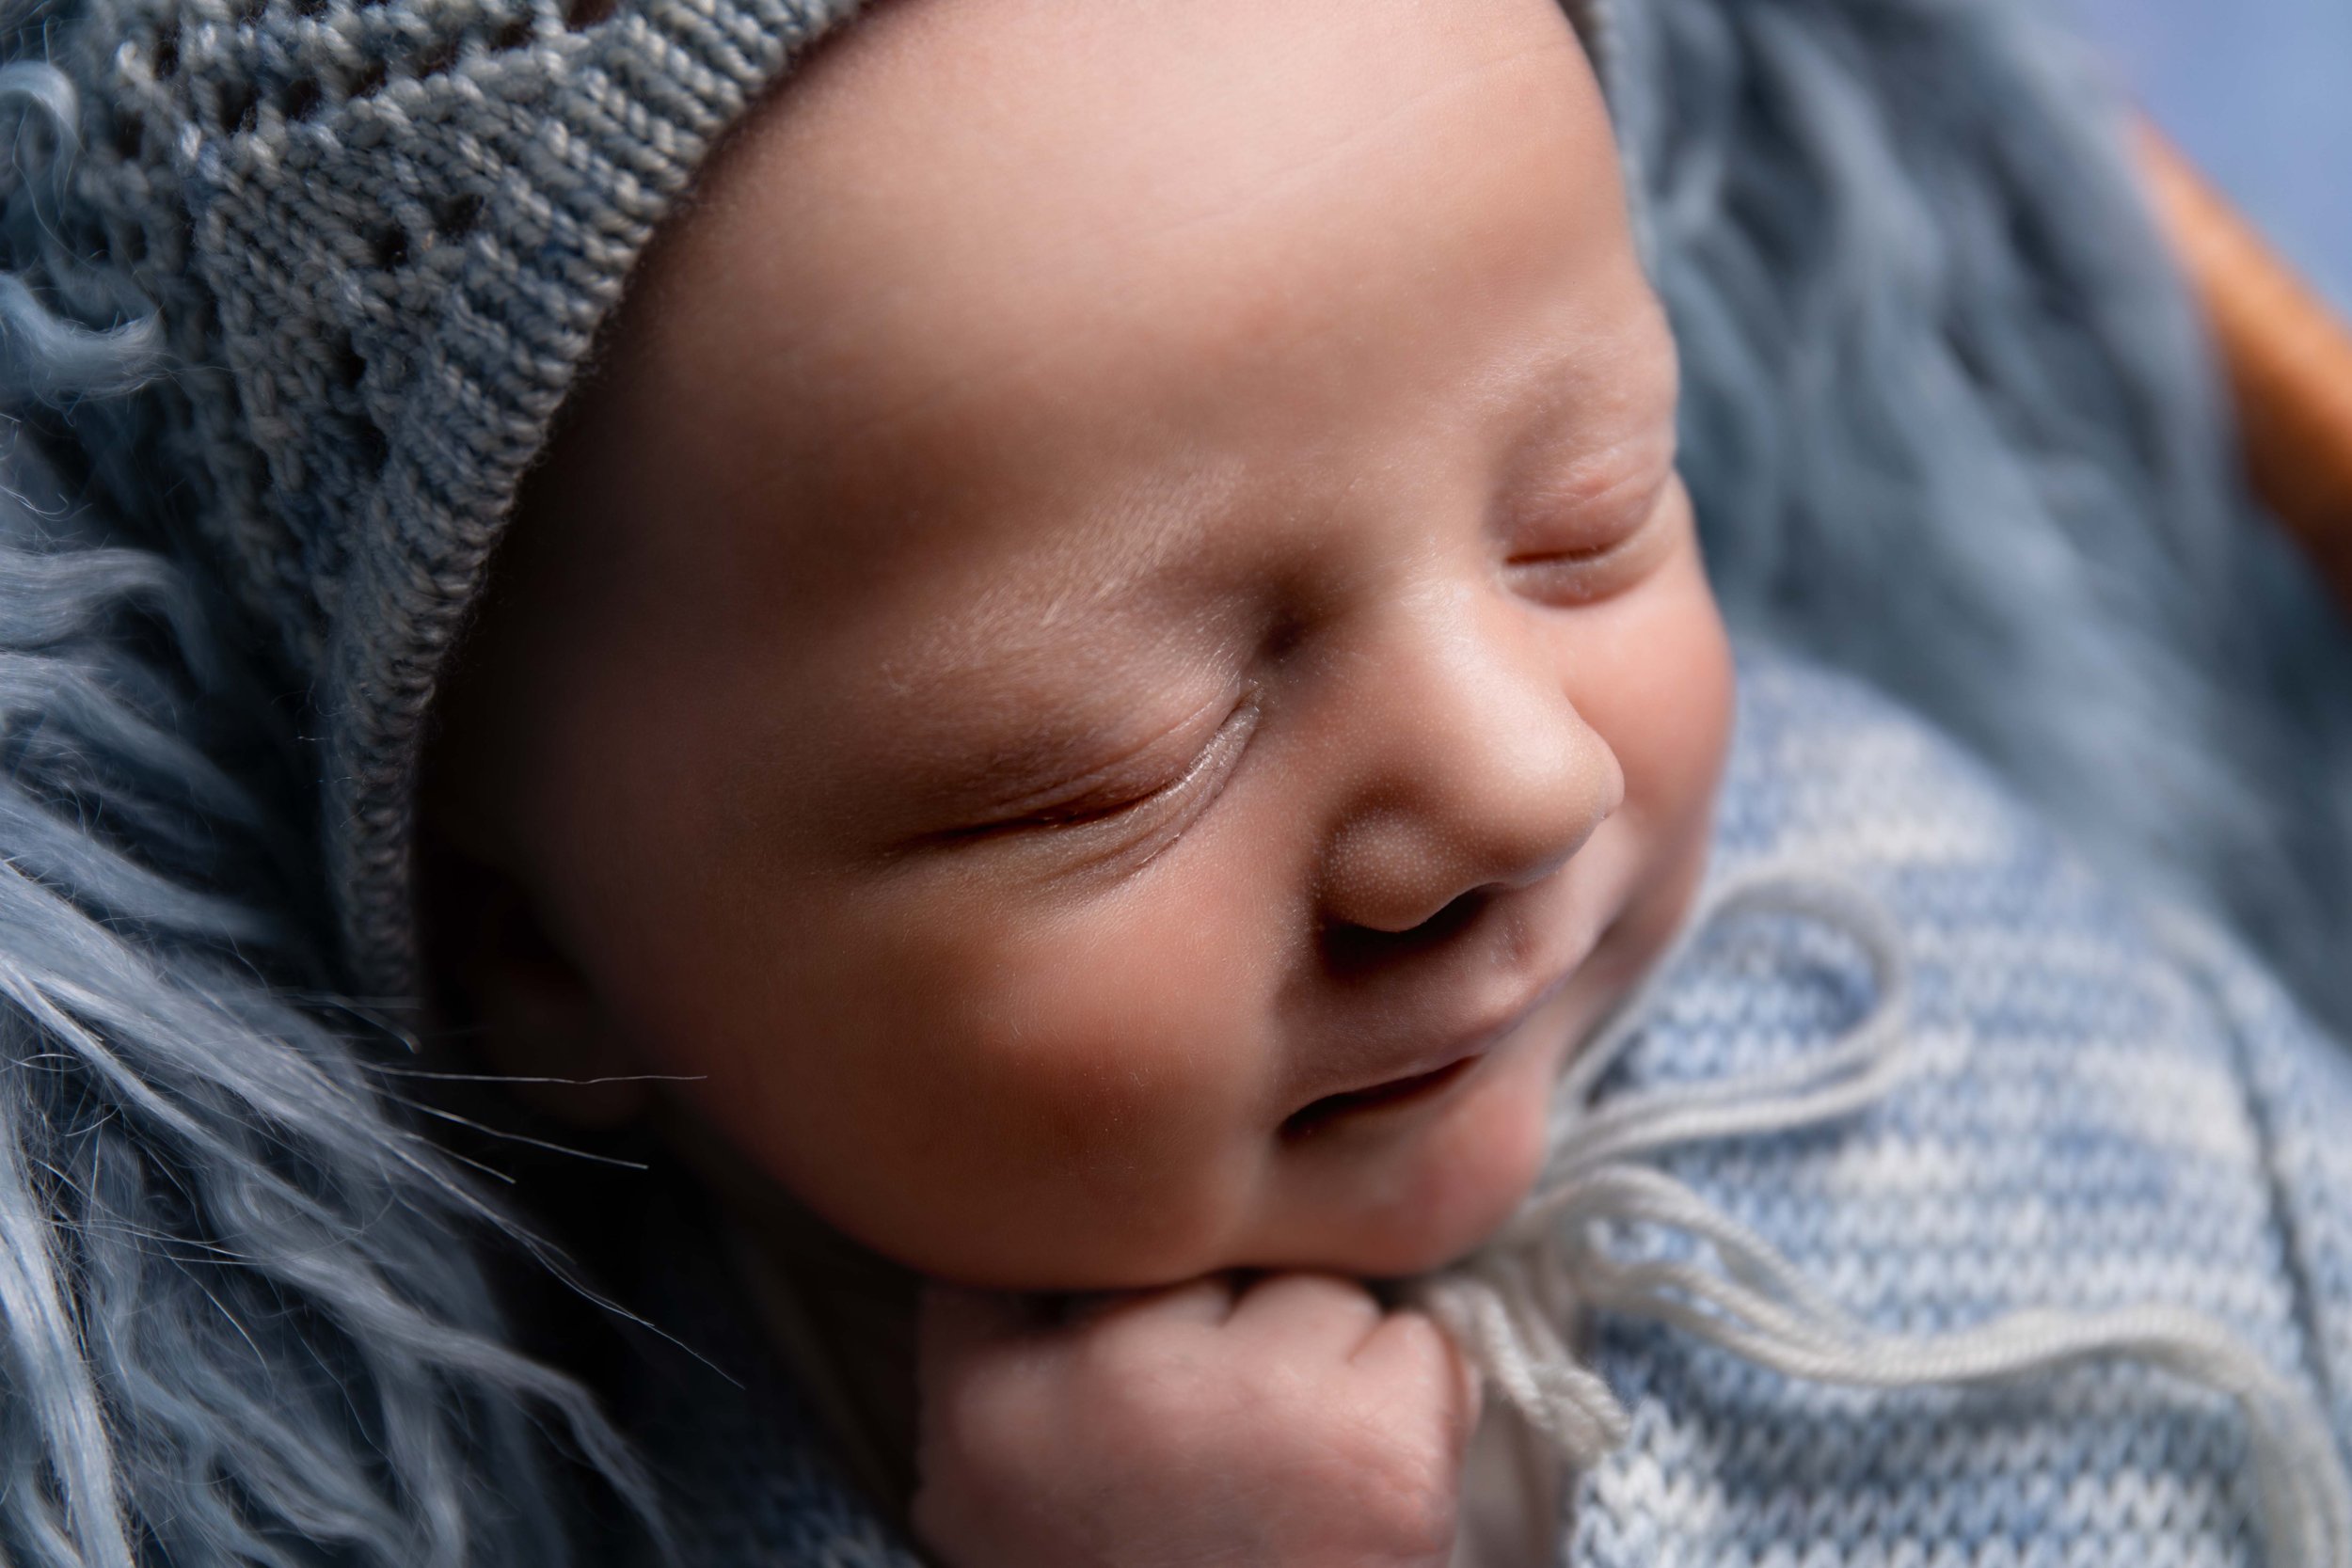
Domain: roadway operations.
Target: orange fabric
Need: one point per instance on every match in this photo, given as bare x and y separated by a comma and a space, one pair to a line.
2288, 357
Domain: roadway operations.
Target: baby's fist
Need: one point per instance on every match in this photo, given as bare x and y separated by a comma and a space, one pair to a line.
1292, 1423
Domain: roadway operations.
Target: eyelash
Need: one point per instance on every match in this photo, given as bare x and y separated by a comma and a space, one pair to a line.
1117, 820
1592, 572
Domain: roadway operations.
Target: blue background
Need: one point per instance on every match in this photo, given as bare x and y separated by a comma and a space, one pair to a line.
2259, 92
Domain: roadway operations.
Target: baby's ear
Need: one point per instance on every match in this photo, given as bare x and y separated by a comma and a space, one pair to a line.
518, 1000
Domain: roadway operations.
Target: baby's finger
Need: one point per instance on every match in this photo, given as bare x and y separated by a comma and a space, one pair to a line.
1200, 1302
1307, 1314
1408, 1348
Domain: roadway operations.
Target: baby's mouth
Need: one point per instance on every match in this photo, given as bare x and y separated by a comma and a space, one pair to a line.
1420, 1085
1396, 1092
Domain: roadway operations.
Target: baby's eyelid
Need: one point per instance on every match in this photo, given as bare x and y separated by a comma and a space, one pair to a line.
1175, 802
1603, 557
1096, 799
1596, 513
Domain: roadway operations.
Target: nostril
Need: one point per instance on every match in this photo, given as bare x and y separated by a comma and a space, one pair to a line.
1350, 949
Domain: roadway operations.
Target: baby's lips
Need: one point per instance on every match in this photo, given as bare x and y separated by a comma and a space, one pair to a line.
1417, 1076
1380, 1096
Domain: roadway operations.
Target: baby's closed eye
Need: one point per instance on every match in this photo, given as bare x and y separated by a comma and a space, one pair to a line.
1587, 512
1129, 809
1599, 545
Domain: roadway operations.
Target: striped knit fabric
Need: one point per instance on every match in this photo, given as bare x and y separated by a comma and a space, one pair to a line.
2093, 1120
2100, 1113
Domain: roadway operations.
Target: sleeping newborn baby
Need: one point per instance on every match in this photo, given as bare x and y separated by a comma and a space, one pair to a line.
1114, 669
1114, 655
1102, 709
1114, 665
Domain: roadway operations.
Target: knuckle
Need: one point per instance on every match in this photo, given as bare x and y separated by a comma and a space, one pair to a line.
1325, 1289
1419, 1335
1427, 1359
1116, 1353
1319, 1298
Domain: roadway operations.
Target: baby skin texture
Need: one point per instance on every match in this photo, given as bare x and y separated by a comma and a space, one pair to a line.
1115, 668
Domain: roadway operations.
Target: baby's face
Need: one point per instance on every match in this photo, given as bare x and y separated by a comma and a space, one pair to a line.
1116, 665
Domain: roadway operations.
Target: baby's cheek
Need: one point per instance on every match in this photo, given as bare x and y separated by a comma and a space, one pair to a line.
1013, 1098
1124, 1080
1653, 675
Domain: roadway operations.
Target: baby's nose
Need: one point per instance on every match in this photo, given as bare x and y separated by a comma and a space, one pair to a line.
1471, 772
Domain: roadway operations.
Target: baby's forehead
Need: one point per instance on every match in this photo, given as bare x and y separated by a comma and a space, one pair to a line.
991, 197
1026, 320
1067, 122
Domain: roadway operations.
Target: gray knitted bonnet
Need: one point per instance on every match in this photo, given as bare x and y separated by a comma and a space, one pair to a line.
367, 247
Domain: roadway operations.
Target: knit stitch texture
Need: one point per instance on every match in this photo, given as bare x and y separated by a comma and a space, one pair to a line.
378, 240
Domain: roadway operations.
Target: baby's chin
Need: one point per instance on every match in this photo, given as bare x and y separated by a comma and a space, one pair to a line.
1440, 1180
